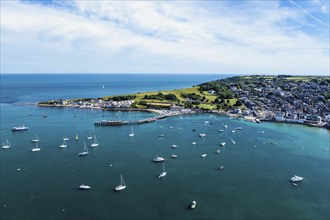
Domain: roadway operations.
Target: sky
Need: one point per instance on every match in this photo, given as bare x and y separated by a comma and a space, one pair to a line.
228, 37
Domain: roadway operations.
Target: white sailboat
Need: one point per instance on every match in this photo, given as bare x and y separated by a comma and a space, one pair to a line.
132, 132
95, 144
64, 144
90, 137
77, 137
66, 138
85, 152
163, 173
36, 148
122, 184
35, 139
5, 144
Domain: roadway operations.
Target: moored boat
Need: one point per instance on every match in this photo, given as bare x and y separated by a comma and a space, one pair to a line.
20, 128
296, 178
159, 159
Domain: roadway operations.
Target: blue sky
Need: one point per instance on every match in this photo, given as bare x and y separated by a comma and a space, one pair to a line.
243, 37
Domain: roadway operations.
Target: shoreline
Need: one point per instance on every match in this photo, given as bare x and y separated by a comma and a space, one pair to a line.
176, 113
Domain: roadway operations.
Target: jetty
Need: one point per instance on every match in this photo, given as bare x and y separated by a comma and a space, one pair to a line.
132, 122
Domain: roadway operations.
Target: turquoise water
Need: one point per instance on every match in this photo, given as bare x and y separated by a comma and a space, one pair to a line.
254, 183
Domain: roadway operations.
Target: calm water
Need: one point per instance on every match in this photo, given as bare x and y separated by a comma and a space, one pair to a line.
254, 183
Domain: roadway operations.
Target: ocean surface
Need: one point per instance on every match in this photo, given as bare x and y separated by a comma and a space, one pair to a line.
258, 160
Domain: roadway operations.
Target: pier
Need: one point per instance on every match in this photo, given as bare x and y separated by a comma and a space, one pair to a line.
117, 123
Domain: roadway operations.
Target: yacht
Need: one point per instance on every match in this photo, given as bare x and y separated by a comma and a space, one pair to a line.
193, 204
36, 148
296, 178
35, 139
96, 143
163, 173
64, 144
6, 145
122, 184
159, 159
204, 155
84, 187
85, 152
20, 128
132, 132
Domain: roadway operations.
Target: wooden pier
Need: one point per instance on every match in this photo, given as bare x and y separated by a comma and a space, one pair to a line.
117, 123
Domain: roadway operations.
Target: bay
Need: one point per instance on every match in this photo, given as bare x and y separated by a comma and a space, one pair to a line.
254, 184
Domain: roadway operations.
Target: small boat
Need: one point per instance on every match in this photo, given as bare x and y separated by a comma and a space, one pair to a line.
204, 155
64, 144
6, 145
218, 151
90, 137
233, 141
193, 143
202, 135
132, 132
20, 128
193, 204
257, 120
294, 184
233, 131
159, 159
296, 178
84, 187
239, 128
225, 126
193, 130
163, 173
44, 115
95, 144
221, 167
66, 138
85, 152
221, 131
36, 148
122, 184
222, 144
35, 139
77, 137
206, 122
173, 146
174, 156
161, 135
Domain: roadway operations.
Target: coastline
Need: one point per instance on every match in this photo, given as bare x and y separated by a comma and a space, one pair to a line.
167, 113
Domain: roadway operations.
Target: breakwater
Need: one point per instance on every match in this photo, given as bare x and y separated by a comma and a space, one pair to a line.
117, 123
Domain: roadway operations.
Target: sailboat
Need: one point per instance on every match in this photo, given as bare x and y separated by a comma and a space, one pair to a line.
95, 144
85, 152
163, 173
77, 137
6, 145
122, 184
90, 137
66, 138
36, 148
132, 132
35, 139
64, 144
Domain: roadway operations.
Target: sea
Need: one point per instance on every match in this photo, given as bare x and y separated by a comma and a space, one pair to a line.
258, 159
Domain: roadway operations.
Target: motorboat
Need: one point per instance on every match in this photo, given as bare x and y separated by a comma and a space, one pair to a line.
174, 146
221, 167
193, 204
20, 128
218, 151
202, 135
84, 187
221, 130
159, 159
174, 156
193, 143
239, 128
233, 131
222, 144
225, 126
296, 178
122, 184
204, 155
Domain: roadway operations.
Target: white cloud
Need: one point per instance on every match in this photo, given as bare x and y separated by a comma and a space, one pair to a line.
143, 36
